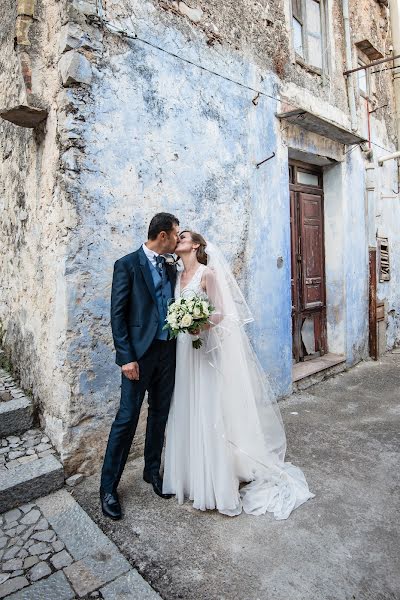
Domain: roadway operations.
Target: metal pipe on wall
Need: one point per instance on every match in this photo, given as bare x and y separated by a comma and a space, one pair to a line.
394, 7
349, 64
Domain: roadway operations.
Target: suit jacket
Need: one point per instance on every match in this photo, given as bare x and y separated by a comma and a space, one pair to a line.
134, 313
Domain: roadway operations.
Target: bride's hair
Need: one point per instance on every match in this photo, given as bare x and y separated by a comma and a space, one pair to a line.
197, 238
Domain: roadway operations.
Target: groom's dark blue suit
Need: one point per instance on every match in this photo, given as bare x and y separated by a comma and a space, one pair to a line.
140, 294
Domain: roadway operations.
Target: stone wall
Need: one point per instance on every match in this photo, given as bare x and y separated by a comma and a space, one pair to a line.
35, 217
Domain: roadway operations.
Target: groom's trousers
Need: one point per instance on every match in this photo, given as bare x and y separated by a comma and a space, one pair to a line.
157, 376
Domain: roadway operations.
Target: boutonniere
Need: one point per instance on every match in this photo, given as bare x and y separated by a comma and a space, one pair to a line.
170, 260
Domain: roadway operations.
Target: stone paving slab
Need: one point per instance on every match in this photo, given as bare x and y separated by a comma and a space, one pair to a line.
28, 481
16, 415
55, 587
95, 570
129, 587
81, 536
16, 412
50, 549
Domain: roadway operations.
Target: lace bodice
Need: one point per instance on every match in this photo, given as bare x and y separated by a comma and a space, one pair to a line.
194, 285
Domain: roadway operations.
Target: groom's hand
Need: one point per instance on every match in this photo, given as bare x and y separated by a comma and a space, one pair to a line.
131, 371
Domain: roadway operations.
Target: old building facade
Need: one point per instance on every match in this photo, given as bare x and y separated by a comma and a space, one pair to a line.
238, 118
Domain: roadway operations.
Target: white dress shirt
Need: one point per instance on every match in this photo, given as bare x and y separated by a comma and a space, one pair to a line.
151, 255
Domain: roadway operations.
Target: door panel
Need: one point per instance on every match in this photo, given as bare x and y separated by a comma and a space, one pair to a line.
308, 267
312, 281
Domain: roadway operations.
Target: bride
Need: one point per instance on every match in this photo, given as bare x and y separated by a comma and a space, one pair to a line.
225, 441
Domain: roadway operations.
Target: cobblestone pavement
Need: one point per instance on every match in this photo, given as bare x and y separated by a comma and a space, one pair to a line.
17, 450
50, 549
8, 387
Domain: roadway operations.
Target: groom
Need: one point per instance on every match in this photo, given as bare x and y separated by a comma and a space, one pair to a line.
142, 286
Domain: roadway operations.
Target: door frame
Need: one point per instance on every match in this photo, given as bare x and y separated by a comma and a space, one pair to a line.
299, 313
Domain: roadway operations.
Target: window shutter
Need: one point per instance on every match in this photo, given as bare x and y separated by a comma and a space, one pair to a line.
383, 260
296, 10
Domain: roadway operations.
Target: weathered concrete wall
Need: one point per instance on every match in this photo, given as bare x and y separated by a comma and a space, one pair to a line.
388, 225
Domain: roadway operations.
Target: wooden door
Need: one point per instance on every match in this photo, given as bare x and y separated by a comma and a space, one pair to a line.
307, 262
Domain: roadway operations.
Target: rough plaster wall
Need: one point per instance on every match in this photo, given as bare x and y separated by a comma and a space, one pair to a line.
156, 132
356, 259
388, 225
34, 227
165, 135
370, 21
335, 234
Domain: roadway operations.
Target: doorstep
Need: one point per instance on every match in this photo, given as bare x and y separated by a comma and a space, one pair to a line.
304, 369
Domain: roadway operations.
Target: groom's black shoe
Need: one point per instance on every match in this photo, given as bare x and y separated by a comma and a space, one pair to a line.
110, 505
157, 483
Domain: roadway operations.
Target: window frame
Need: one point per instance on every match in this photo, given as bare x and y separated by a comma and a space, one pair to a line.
363, 62
299, 13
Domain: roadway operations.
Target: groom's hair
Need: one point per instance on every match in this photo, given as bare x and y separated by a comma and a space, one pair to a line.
161, 222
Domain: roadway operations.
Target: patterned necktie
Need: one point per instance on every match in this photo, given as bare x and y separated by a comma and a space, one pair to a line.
160, 262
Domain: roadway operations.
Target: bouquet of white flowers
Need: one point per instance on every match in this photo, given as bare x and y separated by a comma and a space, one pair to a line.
188, 315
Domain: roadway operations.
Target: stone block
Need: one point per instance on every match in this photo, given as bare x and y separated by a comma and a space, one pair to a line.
61, 559
72, 525
75, 69
74, 480
29, 481
95, 570
129, 587
26, 7
15, 415
86, 7
12, 585
72, 36
31, 517
12, 515
55, 586
22, 26
194, 14
39, 571
12, 565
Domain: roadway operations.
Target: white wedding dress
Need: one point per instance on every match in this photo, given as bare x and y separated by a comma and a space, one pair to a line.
220, 433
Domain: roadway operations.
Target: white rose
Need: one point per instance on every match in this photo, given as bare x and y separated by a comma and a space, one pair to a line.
197, 312
186, 321
204, 305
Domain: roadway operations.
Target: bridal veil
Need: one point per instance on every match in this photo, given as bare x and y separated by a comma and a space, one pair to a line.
250, 422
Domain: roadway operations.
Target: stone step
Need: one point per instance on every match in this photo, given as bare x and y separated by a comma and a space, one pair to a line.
25, 482
16, 410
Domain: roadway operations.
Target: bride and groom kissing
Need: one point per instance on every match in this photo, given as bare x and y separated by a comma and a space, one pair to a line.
225, 442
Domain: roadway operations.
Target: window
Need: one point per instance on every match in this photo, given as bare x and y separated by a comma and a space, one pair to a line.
307, 26
363, 79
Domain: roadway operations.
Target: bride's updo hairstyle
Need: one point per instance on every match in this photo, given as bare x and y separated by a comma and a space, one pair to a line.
197, 238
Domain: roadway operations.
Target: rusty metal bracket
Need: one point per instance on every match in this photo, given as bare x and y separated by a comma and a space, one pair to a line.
265, 160
371, 64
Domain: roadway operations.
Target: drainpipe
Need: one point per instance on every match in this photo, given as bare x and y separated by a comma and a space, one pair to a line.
394, 9
349, 64
395, 25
